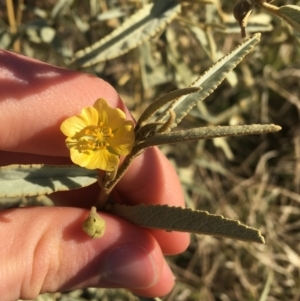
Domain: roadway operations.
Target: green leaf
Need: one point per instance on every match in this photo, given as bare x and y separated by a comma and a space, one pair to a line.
134, 31
39, 179
185, 220
291, 14
210, 80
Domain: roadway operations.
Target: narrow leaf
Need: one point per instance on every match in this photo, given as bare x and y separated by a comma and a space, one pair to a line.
291, 14
38, 179
163, 100
209, 133
185, 220
210, 79
134, 31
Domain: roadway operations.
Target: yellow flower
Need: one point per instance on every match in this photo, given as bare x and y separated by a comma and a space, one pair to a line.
99, 136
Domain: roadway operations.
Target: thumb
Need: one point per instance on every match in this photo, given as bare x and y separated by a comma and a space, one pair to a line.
54, 254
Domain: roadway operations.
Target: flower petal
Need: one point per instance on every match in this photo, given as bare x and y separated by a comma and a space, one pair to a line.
123, 139
89, 115
101, 159
73, 125
105, 160
80, 158
108, 115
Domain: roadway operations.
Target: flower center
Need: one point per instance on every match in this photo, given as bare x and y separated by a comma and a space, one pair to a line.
93, 137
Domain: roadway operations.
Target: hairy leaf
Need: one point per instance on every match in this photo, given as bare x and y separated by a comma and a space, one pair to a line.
138, 28
210, 80
163, 100
185, 220
209, 132
38, 179
291, 14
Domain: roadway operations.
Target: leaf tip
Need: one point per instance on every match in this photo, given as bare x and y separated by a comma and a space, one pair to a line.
277, 128
257, 35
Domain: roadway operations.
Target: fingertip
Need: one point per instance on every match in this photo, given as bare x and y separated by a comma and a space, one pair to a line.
162, 287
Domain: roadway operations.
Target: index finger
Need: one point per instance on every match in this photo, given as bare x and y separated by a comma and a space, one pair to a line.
36, 97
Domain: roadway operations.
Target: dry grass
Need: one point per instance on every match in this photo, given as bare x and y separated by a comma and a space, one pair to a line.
254, 179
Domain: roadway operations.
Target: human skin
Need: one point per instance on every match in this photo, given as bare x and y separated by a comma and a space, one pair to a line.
44, 249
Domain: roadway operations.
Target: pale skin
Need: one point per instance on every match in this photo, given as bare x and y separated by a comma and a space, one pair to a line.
44, 249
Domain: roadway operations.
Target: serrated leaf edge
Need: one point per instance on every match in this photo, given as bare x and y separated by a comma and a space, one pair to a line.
121, 209
243, 49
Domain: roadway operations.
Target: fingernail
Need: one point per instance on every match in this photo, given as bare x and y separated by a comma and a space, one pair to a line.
129, 266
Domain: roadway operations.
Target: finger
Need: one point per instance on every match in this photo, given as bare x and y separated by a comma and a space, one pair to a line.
36, 98
55, 254
151, 180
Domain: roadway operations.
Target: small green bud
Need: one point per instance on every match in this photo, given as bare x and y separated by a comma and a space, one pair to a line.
94, 226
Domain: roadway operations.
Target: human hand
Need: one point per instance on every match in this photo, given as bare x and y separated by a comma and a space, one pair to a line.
43, 249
